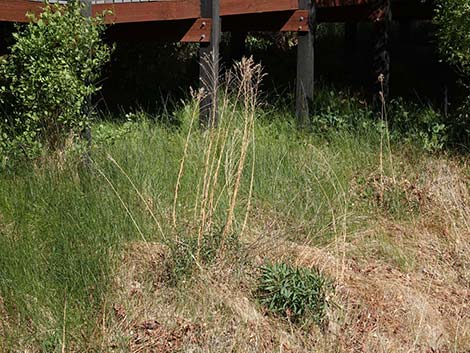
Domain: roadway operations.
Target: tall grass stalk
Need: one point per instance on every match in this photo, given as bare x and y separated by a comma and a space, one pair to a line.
197, 97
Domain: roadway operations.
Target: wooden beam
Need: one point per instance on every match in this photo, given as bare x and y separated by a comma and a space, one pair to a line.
200, 31
305, 67
285, 21
132, 12
15, 10
340, 3
359, 11
240, 7
298, 22
196, 31
209, 66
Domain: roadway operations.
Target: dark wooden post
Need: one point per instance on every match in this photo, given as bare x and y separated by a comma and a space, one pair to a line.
3, 46
405, 30
350, 38
381, 16
237, 45
209, 65
305, 66
3, 39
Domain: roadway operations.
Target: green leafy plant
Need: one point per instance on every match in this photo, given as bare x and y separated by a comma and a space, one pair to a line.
420, 124
453, 38
294, 292
453, 20
47, 78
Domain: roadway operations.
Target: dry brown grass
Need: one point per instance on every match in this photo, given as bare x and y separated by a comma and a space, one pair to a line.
387, 307
403, 286
213, 312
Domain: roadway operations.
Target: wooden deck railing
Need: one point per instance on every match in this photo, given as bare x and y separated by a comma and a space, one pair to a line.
202, 21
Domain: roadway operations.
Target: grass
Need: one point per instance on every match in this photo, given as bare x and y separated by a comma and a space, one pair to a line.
73, 240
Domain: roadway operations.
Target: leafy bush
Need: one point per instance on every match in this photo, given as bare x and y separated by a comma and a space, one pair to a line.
46, 80
408, 121
339, 110
453, 34
453, 20
294, 292
420, 124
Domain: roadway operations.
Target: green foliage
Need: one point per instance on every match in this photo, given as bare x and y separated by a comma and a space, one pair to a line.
294, 292
105, 134
46, 80
453, 20
422, 125
406, 121
339, 110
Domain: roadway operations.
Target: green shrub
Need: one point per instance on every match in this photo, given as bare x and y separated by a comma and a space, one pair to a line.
294, 292
407, 121
420, 124
453, 38
47, 78
453, 20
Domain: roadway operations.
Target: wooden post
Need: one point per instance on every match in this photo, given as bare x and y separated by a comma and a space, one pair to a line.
209, 65
3, 42
237, 45
350, 38
381, 16
405, 31
305, 67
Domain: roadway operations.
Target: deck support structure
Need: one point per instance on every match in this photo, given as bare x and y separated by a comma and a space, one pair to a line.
209, 66
305, 66
381, 17
350, 38
199, 21
406, 30
3, 46
3, 39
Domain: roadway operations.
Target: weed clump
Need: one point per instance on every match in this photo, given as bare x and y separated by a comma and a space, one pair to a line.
188, 254
297, 293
